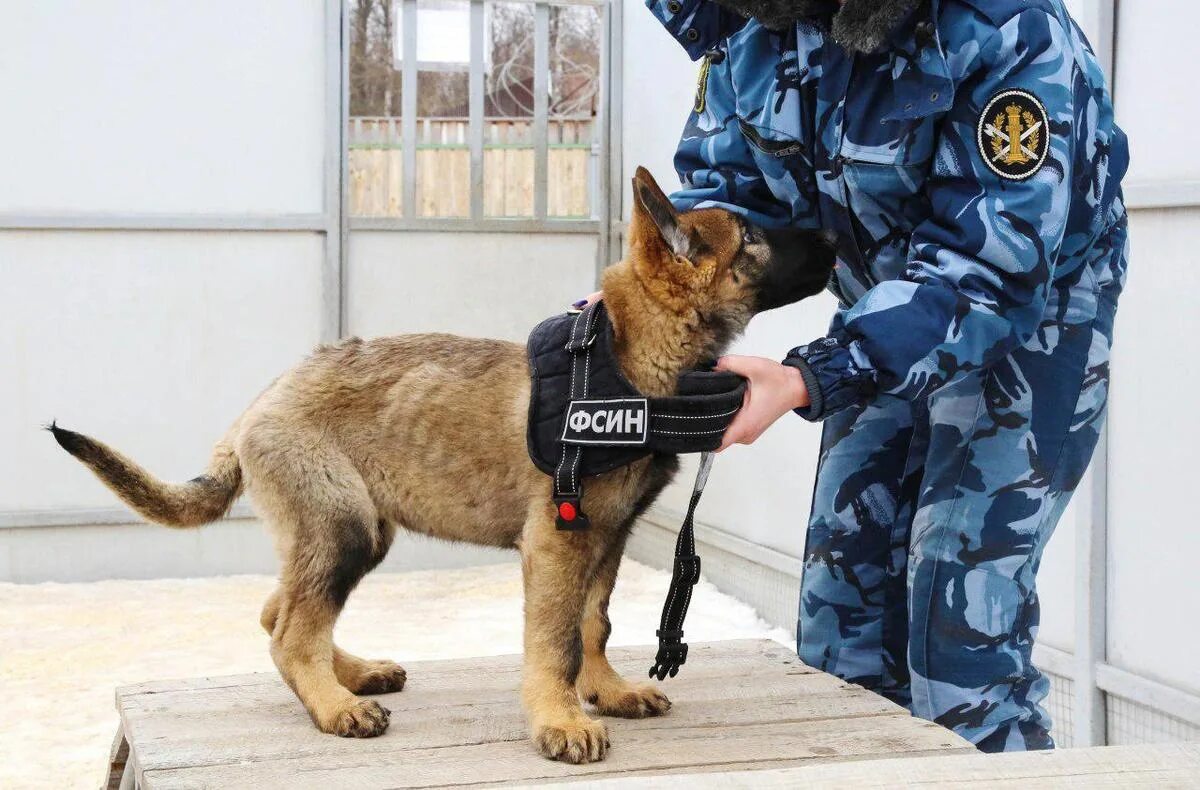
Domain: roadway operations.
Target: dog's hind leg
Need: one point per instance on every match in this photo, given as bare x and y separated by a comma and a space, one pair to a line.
556, 566
359, 675
598, 682
330, 536
270, 611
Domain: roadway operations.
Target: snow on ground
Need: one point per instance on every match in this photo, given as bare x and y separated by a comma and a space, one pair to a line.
64, 648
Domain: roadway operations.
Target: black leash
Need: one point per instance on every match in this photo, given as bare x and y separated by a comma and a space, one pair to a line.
672, 650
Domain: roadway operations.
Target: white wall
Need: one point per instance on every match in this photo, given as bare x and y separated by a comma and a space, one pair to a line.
475, 284
1153, 431
163, 107
152, 340
1154, 537
657, 89
127, 117
1156, 85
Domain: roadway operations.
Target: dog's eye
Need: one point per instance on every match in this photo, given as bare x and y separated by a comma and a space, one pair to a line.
748, 236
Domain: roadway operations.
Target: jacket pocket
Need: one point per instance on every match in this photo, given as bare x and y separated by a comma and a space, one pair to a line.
769, 142
786, 168
885, 201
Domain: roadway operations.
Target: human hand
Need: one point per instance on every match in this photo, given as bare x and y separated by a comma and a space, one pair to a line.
773, 390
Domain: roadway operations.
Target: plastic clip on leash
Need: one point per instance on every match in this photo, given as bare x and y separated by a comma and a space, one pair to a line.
672, 650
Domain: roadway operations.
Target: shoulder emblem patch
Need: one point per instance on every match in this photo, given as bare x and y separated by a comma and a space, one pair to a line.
1014, 134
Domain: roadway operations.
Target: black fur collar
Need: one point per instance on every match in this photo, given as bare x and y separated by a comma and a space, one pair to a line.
858, 25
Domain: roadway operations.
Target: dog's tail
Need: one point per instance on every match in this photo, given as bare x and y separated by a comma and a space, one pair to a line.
191, 504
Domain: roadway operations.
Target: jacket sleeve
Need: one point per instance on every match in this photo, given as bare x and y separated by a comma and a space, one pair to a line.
715, 163
980, 267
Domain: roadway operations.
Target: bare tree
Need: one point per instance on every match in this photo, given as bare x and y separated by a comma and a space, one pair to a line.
375, 82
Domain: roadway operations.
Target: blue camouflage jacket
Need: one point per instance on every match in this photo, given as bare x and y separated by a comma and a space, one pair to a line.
967, 164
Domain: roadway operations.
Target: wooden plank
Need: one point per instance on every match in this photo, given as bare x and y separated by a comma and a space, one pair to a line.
390, 162
493, 180
747, 703
118, 757
182, 734
719, 658
422, 692
518, 182
395, 184
738, 679
1156, 765
488, 762
197, 740
377, 158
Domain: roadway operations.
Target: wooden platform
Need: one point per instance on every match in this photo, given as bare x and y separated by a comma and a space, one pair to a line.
1164, 766
737, 706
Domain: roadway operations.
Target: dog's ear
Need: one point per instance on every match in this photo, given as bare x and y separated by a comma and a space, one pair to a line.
655, 219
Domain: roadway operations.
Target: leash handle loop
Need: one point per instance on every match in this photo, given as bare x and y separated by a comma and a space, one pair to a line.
672, 650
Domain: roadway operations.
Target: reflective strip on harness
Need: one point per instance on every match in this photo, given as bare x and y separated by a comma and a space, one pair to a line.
608, 421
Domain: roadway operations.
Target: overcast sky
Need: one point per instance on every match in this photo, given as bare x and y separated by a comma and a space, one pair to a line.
443, 35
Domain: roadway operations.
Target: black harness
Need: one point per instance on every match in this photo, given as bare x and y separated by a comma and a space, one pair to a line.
586, 418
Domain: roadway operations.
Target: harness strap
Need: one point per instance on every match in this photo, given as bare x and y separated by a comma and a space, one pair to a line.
568, 487
672, 650
686, 423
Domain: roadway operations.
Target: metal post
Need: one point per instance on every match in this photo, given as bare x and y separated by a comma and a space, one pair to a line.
344, 173
1091, 529
333, 200
541, 98
408, 105
1091, 595
614, 183
475, 109
599, 192
1099, 19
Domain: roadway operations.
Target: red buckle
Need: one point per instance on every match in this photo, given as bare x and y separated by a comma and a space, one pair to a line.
569, 513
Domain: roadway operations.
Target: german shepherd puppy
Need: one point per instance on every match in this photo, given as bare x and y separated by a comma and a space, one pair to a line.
427, 432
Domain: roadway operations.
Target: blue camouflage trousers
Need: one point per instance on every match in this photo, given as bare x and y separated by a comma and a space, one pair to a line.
929, 520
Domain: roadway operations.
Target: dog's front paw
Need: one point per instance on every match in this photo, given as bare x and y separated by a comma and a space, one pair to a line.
630, 701
362, 718
577, 740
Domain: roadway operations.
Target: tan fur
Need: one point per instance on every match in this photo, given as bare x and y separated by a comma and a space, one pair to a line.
427, 432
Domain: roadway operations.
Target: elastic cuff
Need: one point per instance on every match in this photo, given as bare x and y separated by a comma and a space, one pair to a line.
816, 399
835, 375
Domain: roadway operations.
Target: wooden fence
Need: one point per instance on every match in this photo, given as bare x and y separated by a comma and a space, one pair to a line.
444, 167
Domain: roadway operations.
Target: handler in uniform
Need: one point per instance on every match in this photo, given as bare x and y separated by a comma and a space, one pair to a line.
965, 153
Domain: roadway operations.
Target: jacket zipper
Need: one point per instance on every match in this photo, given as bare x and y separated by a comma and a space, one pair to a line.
775, 148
